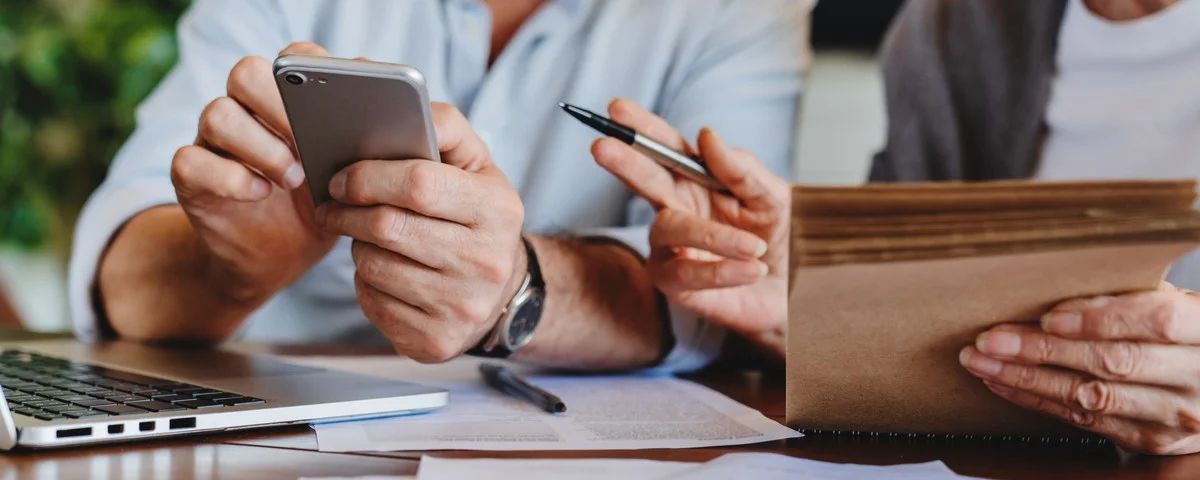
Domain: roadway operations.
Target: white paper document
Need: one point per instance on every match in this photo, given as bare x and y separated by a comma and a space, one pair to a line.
770, 466
603, 413
753, 466
433, 468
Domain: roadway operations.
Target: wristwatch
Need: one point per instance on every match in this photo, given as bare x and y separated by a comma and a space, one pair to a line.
520, 317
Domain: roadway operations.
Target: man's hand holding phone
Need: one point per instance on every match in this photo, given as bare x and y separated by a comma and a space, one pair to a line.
240, 186
437, 246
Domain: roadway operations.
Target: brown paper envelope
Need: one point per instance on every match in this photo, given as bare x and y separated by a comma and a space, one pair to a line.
918, 198
874, 347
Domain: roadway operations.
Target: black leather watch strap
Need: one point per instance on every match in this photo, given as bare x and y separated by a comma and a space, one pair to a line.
535, 281
535, 267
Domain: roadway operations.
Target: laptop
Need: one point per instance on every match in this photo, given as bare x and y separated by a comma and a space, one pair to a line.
65, 393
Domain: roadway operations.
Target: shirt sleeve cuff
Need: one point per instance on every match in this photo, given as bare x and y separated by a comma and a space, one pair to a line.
697, 342
102, 217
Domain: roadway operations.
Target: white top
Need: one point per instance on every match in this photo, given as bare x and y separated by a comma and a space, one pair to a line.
729, 64
1126, 102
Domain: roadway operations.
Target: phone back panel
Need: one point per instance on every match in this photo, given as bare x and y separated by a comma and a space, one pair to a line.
344, 111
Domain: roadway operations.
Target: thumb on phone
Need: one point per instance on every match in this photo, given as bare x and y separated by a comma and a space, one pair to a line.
458, 143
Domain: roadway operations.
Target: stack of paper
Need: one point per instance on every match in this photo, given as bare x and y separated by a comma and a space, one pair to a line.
889, 282
756, 466
603, 413
886, 223
750, 466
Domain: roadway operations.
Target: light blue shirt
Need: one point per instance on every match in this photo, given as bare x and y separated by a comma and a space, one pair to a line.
733, 65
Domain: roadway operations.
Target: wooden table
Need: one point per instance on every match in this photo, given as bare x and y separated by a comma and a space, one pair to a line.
292, 453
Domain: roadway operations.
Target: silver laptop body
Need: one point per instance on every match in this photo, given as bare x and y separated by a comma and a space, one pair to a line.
118, 391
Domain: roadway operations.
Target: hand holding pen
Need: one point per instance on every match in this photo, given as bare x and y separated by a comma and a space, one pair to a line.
720, 255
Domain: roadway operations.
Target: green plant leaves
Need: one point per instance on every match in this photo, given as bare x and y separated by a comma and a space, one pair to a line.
71, 74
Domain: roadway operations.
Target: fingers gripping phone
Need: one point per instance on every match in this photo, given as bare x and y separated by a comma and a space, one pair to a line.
342, 111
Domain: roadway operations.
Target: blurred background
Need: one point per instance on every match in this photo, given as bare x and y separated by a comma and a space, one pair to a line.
73, 71
71, 74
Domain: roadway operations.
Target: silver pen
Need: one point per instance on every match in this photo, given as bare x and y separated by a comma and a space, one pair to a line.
682, 164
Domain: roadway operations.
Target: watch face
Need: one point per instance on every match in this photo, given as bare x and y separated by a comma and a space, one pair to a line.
525, 320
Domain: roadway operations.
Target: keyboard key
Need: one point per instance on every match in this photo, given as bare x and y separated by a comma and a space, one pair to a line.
61, 408
120, 410
55, 393
172, 398
238, 401
43, 403
73, 398
48, 417
93, 402
84, 413
168, 386
199, 403
149, 392
126, 387
105, 393
155, 406
125, 398
210, 393
189, 389
26, 411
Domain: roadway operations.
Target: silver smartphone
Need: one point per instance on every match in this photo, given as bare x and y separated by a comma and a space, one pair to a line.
342, 111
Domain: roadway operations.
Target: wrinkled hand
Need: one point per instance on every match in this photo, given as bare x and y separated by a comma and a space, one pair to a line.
240, 185
437, 246
1125, 367
723, 257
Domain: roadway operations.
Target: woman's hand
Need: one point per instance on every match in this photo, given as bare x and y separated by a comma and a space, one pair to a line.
1125, 367
723, 257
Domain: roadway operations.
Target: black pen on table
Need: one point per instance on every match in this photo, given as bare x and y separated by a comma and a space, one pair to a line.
685, 165
504, 380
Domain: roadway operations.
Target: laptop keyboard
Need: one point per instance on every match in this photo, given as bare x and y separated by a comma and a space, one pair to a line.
49, 388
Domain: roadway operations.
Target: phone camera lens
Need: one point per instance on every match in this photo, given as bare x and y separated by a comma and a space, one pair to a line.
294, 78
